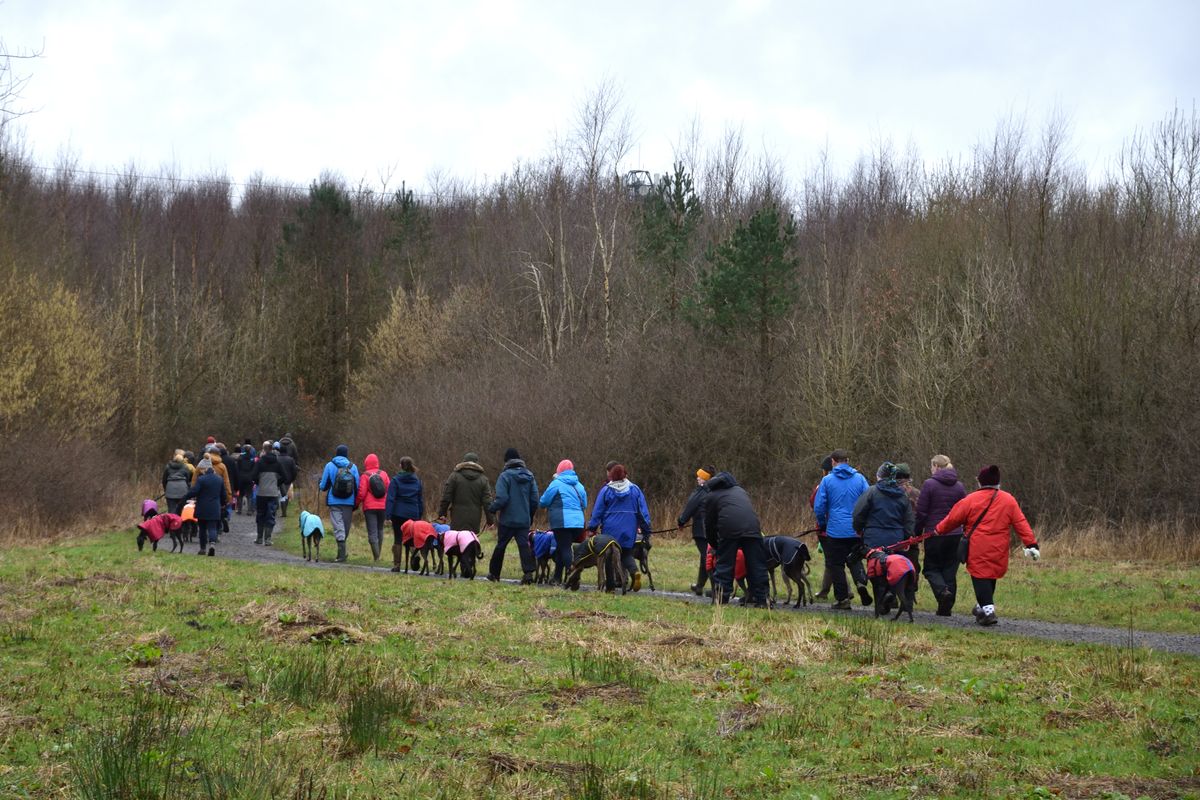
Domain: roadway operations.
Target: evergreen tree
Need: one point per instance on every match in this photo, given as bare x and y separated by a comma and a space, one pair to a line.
670, 216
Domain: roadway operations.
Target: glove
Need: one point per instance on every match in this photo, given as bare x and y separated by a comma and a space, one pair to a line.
1033, 552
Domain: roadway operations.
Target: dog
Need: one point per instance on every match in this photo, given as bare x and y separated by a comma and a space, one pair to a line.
894, 579
422, 546
641, 555
792, 556
154, 526
602, 552
543, 546
312, 531
462, 552
188, 530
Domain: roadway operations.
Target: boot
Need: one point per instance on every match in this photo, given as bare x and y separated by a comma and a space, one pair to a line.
267, 531
375, 548
945, 603
283, 508
341, 553
258, 539
397, 556
863, 594
826, 585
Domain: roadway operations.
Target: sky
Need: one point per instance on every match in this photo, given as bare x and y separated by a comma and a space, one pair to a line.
380, 92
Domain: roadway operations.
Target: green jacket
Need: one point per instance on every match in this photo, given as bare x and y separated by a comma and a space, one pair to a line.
466, 495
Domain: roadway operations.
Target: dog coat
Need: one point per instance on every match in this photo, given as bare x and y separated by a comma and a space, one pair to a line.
156, 527
597, 546
189, 512
739, 566
892, 567
148, 506
457, 541
544, 544
784, 549
417, 532
310, 524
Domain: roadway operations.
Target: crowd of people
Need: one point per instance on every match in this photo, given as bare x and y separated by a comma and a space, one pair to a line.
855, 518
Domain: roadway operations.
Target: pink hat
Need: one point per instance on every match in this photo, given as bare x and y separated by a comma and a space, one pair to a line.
564, 465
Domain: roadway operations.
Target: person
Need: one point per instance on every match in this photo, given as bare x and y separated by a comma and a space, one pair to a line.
211, 497
834, 508
466, 496
213, 452
175, 482
621, 511
288, 448
339, 481
269, 475
289, 478
245, 480
937, 496
904, 481
730, 522
987, 514
372, 496
883, 516
826, 572
566, 502
405, 501
693, 510
517, 501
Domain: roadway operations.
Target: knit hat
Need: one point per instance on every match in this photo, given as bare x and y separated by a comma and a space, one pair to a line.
617, 473
278, 447
706, 472
827, 464
211, 440
989, 476
563, 466
204, 464
471, 457
886, 471
903, 471
343, 450
511, 454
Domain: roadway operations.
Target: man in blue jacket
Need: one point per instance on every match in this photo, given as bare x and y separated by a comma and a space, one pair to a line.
834, 508
339, 481
517, 501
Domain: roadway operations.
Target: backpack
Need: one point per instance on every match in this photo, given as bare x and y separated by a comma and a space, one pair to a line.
343, 484
376, 487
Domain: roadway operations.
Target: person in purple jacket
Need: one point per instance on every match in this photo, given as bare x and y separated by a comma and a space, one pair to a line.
938, 496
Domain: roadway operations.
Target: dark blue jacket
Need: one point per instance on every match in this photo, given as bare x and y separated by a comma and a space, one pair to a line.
693, 509
209, 492
405, 497
728, 512
834, 503
883, 515
516, 495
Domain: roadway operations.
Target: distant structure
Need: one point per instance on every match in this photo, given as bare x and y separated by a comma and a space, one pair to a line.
638, 183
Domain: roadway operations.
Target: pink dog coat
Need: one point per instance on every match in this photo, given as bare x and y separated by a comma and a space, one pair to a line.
148, 506
156, 527
457, 541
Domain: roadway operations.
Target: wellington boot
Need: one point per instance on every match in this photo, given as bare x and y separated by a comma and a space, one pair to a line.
258, 539
341, 553
375, 548
397, 557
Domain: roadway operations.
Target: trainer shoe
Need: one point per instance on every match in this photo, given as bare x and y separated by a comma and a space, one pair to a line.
987, 619
266, 542
493, 578
637, 582
864, 595
841, 605
696, 590
977, 611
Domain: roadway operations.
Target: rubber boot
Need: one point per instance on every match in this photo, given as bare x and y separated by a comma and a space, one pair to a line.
375, 548
397, 556
341, 553
258, 538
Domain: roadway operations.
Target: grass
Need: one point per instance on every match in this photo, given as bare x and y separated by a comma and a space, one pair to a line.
275, 681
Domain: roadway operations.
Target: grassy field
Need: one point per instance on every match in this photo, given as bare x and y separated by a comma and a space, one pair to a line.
1154, 596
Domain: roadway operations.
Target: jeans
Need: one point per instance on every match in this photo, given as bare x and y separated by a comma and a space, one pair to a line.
505, 534
208, 532
837, 559
564, 539
175, 506
757, 581
341, 517
265, 516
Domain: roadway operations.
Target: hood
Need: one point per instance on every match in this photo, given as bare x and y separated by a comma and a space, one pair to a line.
948, 476
268, 457
519, 470
371, 462
285, 440
215, 458
406, 483
890, 488
340, 461
722, 480
342, 450
470, 470
844, 471
568, 477
621, 486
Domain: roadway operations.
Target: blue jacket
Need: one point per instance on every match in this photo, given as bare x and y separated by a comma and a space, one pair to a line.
516, 495
566, 498
836, 496
310, 524
405, 497
621, 511
209, 491
330, 473
883, 515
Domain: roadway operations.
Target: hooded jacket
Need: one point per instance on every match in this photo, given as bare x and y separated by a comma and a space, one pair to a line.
289, 468
728, 512
175, 479
466, 494
246, 465
288, 448
405, 498
327, 478
268, 474
210, 494
693, 509
883, 515
834, 503
621, 511
566, 500
988, 553
368, 501
516, 495
938, 496
219, 467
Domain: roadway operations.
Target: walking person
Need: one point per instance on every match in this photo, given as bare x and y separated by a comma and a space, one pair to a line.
904, 481
176, 479
517, 502
211, 497
834, 508
339, 481
466, 496
566, 501
988, 514
213, 452
290, 473
730, 521
693, 510
621, 512
938, 495
826, 572
245, 480
269, 476
883, 515
372, 496
405, 501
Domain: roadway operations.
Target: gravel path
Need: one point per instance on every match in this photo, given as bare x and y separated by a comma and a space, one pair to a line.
239, 544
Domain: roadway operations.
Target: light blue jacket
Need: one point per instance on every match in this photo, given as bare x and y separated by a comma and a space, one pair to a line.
621, 511
567, 500
834, 503
328, 476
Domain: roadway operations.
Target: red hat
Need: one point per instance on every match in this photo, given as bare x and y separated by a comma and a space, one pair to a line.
211, 440
989, 476
564, 465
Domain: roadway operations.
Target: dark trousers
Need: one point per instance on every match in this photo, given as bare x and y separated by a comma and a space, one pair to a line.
505, 534
985, 590
702, 570
628, 561
265, 516
175, 506
941, 565
756, 567
837, 559
208, 531
564, 538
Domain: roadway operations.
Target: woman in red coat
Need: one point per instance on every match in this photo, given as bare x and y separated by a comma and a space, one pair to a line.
988, 514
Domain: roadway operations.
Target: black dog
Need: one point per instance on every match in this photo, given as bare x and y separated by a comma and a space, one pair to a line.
462, 551
895, 582
641, 554
602, 552
792, 556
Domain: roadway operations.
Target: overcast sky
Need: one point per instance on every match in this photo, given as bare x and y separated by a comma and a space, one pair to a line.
364, 89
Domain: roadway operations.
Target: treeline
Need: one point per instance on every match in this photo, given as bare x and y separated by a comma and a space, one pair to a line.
1000, 309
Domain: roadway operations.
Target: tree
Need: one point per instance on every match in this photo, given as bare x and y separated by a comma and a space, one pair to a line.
670, 217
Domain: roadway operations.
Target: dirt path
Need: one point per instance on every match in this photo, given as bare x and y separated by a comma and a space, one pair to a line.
239, 544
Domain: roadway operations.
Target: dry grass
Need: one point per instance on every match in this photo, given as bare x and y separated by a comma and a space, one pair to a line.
1174, 541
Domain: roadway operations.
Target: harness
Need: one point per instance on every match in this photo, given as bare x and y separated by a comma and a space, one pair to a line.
591, 546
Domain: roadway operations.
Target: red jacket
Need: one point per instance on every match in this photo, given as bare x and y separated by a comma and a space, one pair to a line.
739, 566
156, 527
366, 500
988, 556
